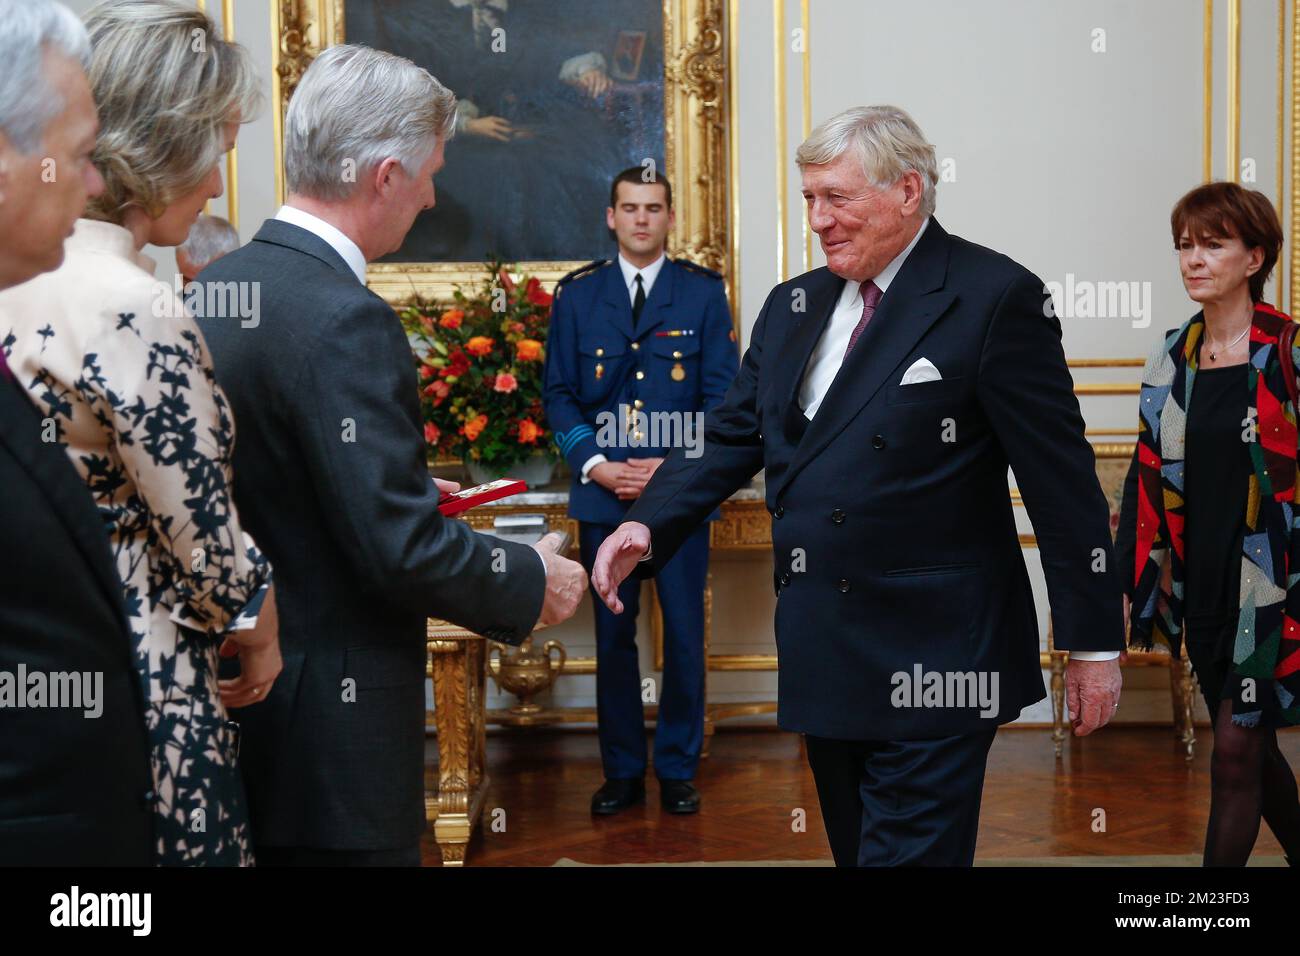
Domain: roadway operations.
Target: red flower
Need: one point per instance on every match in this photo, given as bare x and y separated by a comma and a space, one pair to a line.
439, 392
431, 433
536, 294
505, 383
426, 371
459, 364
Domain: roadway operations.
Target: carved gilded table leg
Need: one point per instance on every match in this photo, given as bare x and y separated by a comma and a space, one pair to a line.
1058, 700
1182, 688
457, 665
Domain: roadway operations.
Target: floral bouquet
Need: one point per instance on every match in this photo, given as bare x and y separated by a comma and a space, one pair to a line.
480, 368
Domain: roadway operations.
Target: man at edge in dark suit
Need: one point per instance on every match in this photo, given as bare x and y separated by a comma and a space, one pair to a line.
74, 775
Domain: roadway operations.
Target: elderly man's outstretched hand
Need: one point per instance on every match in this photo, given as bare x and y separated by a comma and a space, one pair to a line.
618, 555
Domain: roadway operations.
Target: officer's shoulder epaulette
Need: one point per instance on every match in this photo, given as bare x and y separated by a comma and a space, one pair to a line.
581, 271
696, 267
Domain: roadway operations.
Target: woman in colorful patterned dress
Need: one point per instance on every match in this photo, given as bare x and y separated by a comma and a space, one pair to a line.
1206, 539
123, 379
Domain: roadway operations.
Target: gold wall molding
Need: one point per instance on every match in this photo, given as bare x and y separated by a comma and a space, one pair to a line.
697, 111
1281, 140
779, 108
1233, 119
1207, 92
806, 25
232, 157
1295, 151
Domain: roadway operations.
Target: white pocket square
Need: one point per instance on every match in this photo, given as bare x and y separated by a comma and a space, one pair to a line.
922, 370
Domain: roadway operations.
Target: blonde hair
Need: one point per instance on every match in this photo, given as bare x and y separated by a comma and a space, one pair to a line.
165, 86
885, 139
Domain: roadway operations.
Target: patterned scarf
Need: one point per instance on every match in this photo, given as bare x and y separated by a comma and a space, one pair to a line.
1266, 655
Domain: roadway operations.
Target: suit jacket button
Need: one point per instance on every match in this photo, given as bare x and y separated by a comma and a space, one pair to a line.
147, 799
878, 442
837, 516
843, 586
785, 579
778, 511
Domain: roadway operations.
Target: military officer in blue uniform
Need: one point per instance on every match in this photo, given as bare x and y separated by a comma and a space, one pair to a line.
639, 348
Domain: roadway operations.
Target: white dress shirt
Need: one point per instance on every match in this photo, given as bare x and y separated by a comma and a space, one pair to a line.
630, 272
824, 363
337, 240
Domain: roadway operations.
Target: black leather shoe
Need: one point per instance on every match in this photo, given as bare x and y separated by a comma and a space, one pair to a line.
618, 794
679, 796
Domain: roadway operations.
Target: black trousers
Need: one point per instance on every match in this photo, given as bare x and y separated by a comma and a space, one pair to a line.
901, 802
310, 856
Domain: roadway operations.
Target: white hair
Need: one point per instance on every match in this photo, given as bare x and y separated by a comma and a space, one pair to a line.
29, 29
355, 107
885, 139
210, 238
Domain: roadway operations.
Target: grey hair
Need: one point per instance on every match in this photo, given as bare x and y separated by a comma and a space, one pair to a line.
165, 85
885, 139
355, 107
210, 238
29, 29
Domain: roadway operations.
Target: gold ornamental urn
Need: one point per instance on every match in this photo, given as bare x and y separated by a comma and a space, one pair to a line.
525, 673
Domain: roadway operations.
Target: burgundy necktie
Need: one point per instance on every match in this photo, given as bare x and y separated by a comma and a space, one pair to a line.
870, 299
4, 368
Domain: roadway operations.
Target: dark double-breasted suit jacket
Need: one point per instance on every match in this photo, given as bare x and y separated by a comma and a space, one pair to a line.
75, 790
894, 539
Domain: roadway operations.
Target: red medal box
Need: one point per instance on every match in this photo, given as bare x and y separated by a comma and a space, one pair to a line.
454, 504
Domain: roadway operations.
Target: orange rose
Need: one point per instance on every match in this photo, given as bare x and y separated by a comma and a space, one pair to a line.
474, 427
529, 350
528, 431
479, 345
452, 319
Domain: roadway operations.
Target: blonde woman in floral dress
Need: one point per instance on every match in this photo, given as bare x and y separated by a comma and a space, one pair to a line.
123, 380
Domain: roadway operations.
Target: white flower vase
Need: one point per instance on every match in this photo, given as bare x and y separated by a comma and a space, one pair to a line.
536, 470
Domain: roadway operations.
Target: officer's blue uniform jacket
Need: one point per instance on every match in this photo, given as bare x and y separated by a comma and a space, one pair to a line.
681, 358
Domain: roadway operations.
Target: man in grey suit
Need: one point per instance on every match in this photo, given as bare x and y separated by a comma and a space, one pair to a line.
331, 475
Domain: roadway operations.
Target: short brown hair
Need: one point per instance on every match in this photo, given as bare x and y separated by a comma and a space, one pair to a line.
640, 174
1229, 211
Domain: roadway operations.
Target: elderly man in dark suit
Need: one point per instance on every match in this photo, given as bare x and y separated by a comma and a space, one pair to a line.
75, 772
885, 395
331, 476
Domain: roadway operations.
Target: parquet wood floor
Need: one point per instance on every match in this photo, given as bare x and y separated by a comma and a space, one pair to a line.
1127, 791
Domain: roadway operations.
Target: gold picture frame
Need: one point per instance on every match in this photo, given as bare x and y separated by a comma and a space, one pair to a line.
697, 111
